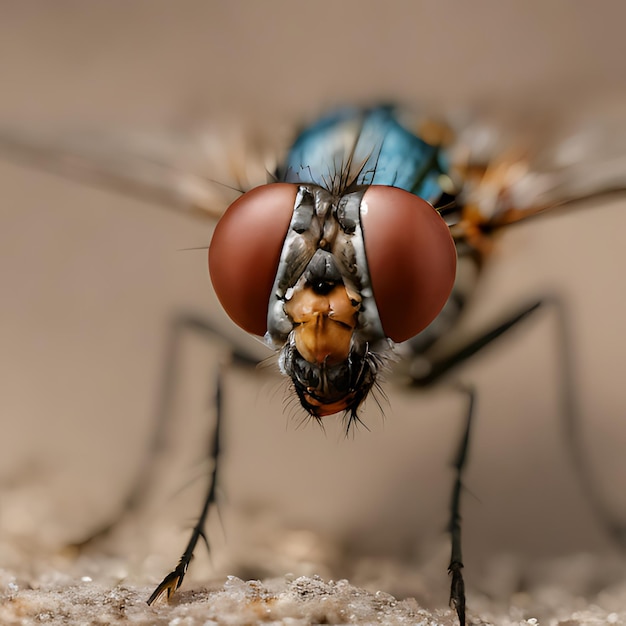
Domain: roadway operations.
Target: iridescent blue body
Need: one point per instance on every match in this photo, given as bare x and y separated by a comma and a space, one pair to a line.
385, 153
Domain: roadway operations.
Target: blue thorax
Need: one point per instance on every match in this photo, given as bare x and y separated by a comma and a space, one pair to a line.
371, 147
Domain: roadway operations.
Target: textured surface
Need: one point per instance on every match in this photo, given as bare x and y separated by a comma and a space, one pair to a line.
56, 597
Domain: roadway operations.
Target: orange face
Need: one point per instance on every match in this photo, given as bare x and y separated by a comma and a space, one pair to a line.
324, 323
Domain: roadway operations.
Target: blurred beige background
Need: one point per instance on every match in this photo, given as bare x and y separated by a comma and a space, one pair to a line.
89, 279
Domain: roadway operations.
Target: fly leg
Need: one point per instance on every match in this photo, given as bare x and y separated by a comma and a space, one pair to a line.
439, 367
457, 585
435, 372
571, 420
238, 356
175, 578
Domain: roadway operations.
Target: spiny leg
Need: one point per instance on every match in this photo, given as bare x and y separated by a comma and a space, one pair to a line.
174, 579
438, 368
569, 410
457, 585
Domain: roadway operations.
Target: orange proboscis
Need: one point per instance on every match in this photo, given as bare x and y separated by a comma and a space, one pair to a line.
321, 409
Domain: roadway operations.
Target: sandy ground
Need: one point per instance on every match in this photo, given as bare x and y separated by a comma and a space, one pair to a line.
103, 591
90, 280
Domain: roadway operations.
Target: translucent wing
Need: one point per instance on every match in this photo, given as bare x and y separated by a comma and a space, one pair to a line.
503, 168
511, 171
199, 173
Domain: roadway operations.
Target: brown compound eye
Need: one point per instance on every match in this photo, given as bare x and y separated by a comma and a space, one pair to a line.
245, 252
411, 259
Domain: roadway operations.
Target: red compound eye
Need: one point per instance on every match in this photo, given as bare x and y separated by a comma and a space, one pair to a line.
245, 251
411, 258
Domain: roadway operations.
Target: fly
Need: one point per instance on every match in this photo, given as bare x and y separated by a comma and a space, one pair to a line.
362, 249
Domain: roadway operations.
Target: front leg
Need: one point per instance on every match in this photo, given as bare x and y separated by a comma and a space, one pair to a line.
457, 588
174, 579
